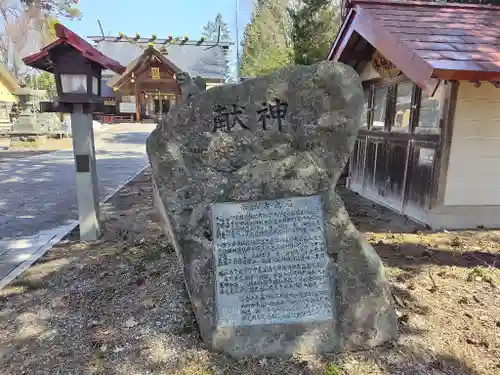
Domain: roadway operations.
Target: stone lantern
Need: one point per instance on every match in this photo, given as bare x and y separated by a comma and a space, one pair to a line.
28, 121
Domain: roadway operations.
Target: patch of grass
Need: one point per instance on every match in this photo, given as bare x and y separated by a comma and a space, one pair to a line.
479, 274
28, 285
25, 144
332, 369
456, 241
144, 254
98, 359
476, 272
394, 271
153, 254
194, 368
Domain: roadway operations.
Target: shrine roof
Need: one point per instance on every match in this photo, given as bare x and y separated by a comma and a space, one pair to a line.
43, 61
198, 58
427, 40
118, 79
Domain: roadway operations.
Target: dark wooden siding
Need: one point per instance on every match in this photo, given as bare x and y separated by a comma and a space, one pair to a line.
397, 172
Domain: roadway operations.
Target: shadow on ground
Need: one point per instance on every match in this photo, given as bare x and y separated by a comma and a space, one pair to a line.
119, 306
34, 190
128, 138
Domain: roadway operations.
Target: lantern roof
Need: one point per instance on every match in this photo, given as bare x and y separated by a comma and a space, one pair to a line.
43, 61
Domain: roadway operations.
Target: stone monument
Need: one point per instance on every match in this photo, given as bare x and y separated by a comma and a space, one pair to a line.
189, 86
27, 121
244, 180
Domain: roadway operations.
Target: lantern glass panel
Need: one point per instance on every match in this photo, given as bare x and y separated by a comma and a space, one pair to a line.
74, 83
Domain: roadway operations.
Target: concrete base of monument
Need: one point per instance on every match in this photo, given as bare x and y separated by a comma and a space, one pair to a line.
361, 313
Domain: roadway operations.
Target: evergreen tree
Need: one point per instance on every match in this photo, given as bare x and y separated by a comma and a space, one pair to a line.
211, 29
315, 24
211, 32
267, 44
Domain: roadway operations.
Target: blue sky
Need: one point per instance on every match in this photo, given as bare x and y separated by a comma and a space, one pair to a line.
162, 17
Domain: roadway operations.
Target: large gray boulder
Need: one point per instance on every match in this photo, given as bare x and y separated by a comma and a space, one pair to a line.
285, 135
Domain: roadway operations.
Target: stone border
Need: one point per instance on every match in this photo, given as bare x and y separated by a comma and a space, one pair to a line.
58, 235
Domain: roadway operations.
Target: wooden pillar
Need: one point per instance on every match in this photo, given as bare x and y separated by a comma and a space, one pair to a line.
137, 102
446, 124
118, 99
87, 191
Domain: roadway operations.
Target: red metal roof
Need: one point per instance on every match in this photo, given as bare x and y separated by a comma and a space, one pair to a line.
41, 60
443, 41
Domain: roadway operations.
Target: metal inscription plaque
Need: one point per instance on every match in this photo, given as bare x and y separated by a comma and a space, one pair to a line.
270, 262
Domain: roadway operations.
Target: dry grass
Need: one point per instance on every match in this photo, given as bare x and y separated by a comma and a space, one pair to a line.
119, 306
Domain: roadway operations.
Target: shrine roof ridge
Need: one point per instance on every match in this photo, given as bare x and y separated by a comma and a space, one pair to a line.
189, 42
204, 59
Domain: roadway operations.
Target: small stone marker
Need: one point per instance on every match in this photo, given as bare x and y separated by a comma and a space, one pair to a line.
244, 182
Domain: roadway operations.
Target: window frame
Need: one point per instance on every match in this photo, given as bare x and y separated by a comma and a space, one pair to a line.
368, 108
413, 107
390, 104
387, 106
440, 113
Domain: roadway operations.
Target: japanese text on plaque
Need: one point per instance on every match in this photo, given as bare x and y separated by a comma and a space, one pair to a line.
271, 263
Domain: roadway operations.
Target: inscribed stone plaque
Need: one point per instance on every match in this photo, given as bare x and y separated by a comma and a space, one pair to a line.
271, 262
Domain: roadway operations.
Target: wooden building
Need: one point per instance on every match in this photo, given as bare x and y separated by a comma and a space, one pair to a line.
430, 142
148, 86
148, 89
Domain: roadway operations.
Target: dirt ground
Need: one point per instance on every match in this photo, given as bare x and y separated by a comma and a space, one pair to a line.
119, 306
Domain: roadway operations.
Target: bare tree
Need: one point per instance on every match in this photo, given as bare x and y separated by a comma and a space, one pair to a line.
26, 26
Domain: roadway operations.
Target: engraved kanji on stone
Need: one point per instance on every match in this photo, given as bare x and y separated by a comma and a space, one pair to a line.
273, 111
226, 118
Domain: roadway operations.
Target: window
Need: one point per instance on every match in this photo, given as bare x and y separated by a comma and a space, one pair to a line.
74, 83
379, 105
4, 113
429, 112
366, 106
403, 107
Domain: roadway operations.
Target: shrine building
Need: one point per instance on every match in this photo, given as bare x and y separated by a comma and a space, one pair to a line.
429, 143
147, 89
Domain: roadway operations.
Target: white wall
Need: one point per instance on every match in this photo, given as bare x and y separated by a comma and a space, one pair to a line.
474, 169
